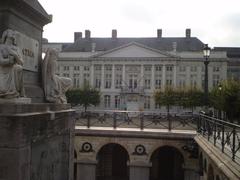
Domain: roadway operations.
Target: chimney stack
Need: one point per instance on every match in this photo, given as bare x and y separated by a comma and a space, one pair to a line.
77, 35
87, 34
159, 33
188, 33
114, 33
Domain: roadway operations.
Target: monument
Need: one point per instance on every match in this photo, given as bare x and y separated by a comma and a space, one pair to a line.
37, 128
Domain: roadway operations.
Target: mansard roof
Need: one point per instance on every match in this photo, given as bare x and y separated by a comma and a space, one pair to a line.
163, 43
232, 52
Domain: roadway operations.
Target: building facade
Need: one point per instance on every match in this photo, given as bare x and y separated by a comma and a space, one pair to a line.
128, 71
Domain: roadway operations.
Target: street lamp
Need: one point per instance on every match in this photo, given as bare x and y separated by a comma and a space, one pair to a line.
206, 55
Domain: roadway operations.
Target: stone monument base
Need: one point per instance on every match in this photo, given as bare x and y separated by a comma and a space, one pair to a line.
21, 100
36, 141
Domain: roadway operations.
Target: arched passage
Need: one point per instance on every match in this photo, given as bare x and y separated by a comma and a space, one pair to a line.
167, 164
112, 163
201, 164
210, 174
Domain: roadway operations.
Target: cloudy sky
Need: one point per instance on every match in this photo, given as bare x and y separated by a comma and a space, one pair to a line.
216, 22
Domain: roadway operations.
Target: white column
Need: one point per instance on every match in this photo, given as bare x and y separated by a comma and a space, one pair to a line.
163, 76
113, 77
153, 79
174, 76
123, 75
188, 74
71, 72
92, 75
142, 76
81, 76
102, 77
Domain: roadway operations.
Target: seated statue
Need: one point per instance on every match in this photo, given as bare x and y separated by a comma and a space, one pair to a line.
11, 67
55, 86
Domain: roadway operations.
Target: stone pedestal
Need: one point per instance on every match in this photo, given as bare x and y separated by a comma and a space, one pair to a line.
139, 171
27, 18
190, 174
15, 101
36, 141
86, 170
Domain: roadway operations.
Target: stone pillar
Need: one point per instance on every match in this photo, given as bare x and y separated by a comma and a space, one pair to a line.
190, 174
174, 76
81, 75
153, 79
142, 75
124, 75
86, 170
163, 76
102, 77
113, 77
92, 75
139, 170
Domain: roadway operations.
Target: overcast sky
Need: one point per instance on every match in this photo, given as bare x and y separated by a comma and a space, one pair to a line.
216, 22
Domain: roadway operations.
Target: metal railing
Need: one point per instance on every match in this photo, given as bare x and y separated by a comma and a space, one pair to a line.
222, 134
137, 119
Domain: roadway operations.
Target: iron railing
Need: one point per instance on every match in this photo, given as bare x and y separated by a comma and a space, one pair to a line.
222, 134
137, 119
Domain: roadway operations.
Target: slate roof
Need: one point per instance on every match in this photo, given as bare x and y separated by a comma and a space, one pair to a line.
232, 52
164, 43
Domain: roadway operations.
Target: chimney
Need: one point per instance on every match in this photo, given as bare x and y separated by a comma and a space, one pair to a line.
87, 34
159, 33
114, 33
188, 33
174, 45
77, 35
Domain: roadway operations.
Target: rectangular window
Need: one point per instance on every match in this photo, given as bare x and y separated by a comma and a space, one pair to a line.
147, 102
182, 68
158, 83
216, 69
147, 83
66, 68
193, 68
158, 68
117, 102
76, 68
107, 101
86, 68
169, 68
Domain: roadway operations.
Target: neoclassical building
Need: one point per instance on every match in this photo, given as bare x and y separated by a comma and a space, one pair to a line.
128, 71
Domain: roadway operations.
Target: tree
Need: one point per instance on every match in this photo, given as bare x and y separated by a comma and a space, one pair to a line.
85, 97
226, 97
191, 98
168, 97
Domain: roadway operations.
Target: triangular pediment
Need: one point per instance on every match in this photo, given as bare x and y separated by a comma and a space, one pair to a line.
134, 50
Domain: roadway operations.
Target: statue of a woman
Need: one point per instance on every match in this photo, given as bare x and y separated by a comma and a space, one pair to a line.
55, 86
11, 67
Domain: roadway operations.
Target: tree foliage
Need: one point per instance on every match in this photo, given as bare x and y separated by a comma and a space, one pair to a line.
226, 97
85, 97
189, 98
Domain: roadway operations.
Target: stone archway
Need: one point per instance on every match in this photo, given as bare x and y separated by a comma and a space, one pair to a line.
167, 164
210, 173
112, 163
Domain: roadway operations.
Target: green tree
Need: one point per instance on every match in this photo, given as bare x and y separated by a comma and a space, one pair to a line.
85, 97
226, 97
191, 98
169, 97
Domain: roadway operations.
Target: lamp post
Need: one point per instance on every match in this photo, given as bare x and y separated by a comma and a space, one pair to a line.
206, 55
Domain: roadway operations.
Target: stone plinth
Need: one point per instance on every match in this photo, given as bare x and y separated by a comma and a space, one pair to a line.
86, 170
15, 101
27, 17
36, 141
139, 170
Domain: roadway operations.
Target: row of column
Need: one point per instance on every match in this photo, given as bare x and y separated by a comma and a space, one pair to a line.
86, 170
163, 79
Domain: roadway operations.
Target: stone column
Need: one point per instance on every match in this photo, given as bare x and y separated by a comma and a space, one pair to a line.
102, 77
86, 170
92, 75
139, 170
153, 79
142, 76
123, 75
174, 76
113, 77
163, 76
81, 75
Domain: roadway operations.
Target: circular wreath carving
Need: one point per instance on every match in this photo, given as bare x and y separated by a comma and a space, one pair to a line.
140, 150
86, 147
